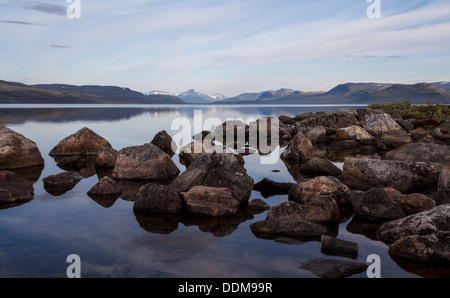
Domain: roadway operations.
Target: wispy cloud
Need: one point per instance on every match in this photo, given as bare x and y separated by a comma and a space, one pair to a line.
58, 46
46, 8
21, 23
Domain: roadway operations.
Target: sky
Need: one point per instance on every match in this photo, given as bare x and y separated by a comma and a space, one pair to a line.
228, 47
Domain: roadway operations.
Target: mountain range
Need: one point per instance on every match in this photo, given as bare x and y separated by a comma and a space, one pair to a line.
349, 93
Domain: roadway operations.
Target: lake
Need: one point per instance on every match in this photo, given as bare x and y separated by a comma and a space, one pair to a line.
112, 241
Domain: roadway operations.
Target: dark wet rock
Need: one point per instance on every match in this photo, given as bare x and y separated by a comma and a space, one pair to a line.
105, 187
85, 166
269, 188
146, 162
445, 126
210, 201
164, 141
406, 176
287, 120
309, 189
345, 145
17, 151
365, 227
405, 124
298, 150
429, 152
443, 192
59, 184
158, 198
257, 206
14, 189
332, 245
287, 227
376, 204
329, 268
84, 142
317, 134
319, 166
216, 170
189, 153
379, 123
106, 157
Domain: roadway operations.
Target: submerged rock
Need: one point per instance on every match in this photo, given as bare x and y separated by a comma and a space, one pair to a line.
144, 163
59, 184
84, 142
329, 268
17, 151
105, 187
297, 228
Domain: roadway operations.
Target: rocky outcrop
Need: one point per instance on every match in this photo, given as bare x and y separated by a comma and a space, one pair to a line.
84, 142
14, 189
158, 198
405, 176
17, 151
216, 170
210, 201
145, 163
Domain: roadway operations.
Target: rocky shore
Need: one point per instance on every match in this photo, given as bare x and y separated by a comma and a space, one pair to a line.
395, 177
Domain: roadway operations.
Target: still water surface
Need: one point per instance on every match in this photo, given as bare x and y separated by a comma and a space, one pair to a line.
113, 241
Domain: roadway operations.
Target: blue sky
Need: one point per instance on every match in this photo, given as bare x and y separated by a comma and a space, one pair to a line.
228, 47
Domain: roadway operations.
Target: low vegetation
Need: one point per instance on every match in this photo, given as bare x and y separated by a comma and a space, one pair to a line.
406, 110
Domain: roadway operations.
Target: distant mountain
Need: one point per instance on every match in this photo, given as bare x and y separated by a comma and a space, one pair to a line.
445, 85
192, 96
244, 97
11, 92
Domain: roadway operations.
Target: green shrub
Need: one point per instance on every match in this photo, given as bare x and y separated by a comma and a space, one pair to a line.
406, 110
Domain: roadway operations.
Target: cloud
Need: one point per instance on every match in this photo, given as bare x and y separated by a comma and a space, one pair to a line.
47, 8
21, 23
58, 46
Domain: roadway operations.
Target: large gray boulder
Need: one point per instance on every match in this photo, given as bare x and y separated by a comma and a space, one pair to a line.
216, 170
405, 176
379, 123
17, 151
144, 163
429, 152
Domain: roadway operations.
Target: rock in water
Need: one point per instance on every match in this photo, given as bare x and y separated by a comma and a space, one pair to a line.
405, 176
106, 157
158, 198
144, 163
164, 141
84, 142
17, 152
428, 152
299, 150
105, 187
210, 201
14, 189
216, 170
329, 268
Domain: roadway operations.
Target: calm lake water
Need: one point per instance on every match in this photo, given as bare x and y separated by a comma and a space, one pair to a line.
113, 241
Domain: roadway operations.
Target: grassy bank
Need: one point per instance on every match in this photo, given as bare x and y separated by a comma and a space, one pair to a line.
406, 110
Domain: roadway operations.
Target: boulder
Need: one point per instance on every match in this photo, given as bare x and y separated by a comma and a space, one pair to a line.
317, 134
377, 205
61, 183
310, 189
158, 198
379, 123
431, 221
429, 152
405, 124
298, 150
14, 189
17, 151
105, 187
164, 141
443, 192
269, 188
106, 157
394, 139
339, 246
297, 228
426, 122
405, 176
320, 166
84, 142
216, 170
353, 132
330, 268
144, 163
444, 127
414, 203
210, 201
257, 205
190, 152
